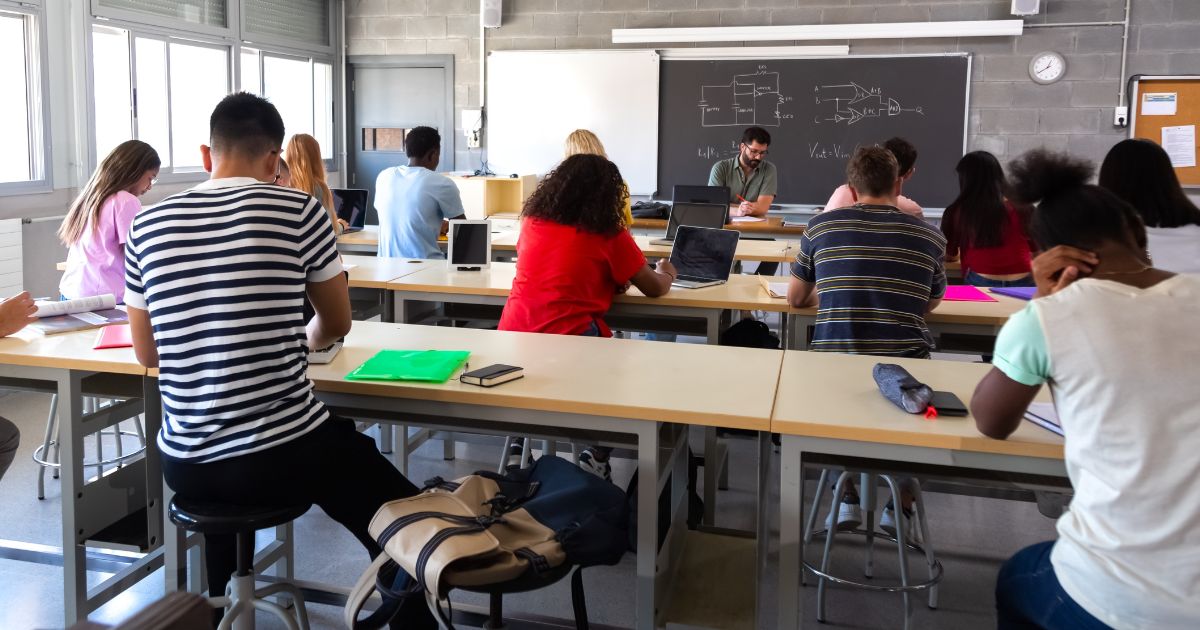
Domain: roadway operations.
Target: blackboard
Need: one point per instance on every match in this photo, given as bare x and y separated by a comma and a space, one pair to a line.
817, 111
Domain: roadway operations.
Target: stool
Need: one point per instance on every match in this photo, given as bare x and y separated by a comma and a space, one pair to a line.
532, 581
46, 455
511, 442
240, 596
867, 502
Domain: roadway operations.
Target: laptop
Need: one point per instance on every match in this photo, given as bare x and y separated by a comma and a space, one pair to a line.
351, 205
708, 215
700, 194
703, 256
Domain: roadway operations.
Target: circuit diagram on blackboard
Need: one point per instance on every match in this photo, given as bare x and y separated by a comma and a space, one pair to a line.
850, 103
748, 99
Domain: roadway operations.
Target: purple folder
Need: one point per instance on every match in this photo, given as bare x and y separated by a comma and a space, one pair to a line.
1024, 293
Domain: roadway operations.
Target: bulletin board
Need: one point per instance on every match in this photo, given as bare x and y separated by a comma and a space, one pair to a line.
1145, 123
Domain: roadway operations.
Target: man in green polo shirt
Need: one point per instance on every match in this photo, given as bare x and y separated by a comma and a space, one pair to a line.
750, 177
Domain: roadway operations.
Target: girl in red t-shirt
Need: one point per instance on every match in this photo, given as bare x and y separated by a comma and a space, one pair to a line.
984, 229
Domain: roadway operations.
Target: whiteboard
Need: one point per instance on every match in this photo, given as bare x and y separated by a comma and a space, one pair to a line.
536, 98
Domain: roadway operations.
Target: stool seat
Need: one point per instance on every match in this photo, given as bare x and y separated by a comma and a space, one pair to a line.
210, 517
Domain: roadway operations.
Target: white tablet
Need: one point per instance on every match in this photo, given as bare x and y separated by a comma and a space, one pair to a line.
469, 245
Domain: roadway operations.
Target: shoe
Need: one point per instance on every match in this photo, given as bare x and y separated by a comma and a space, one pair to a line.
849, 515
515, 450
588, 462
887, 522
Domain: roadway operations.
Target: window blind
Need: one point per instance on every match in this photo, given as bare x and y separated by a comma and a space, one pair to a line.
305, 21
207, 12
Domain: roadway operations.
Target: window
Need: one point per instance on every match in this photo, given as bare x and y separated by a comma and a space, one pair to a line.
199, 80
22, 112
302, 90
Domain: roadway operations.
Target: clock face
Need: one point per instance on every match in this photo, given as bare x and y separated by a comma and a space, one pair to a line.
1047, 67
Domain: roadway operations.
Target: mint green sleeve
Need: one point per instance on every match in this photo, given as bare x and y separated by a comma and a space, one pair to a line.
1021, 352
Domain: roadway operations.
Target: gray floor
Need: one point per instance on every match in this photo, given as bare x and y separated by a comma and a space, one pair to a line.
972, 537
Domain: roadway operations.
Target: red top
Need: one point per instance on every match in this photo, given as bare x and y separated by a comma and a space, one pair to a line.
566, 278
1012, 256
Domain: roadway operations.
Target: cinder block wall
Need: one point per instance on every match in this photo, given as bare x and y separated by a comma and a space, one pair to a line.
1009, 113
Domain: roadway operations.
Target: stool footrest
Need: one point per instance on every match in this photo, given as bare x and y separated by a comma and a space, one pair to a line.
883, 588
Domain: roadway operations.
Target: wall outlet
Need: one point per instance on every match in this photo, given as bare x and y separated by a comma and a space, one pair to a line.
473, 139
1121, 117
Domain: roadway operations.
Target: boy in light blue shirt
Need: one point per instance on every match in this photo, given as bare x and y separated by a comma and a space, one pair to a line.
414, 202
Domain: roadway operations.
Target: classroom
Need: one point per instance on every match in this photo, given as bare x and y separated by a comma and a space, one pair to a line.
653, 314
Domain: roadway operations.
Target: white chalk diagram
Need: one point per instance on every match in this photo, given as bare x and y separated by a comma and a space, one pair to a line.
852, 103
748, 99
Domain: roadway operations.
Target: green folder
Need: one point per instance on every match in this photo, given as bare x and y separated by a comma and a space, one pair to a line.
433, 366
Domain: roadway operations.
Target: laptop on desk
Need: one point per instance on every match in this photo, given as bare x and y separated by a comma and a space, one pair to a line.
351, 206
703, 256
706, 215
683, 193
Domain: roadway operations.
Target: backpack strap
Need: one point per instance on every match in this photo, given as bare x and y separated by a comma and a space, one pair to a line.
537, 561
371, 580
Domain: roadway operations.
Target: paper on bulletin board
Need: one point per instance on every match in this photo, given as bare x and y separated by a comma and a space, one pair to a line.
1159, 103
1180, 143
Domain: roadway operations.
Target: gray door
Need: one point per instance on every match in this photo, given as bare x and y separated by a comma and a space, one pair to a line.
386, 101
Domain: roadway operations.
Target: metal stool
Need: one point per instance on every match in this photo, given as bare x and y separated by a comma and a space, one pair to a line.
867, 502
241, 598
527, 451
532, 581
46, 455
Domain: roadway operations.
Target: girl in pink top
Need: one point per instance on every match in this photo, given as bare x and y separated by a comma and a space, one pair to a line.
99, 218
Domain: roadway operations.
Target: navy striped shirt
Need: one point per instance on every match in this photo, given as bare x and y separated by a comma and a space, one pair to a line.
875, 270
221, 269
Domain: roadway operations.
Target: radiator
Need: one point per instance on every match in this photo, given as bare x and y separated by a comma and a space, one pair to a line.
11, 265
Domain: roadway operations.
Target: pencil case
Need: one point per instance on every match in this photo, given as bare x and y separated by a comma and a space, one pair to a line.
900, 387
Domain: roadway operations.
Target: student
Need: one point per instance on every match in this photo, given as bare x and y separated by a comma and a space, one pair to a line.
1139, 172
414, 202
15, 313
223, 323
97, 223
573, 255
986, 230
906, 156
306, 172
873, 272
586, 142
1114, 337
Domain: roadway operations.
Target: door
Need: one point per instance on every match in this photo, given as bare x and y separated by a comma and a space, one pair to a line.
387, 98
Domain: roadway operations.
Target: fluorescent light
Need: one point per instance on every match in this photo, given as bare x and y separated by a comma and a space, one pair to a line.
808, 32
755, 52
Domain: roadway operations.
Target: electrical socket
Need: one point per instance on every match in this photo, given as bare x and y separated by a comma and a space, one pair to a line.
1121, 117
473, 139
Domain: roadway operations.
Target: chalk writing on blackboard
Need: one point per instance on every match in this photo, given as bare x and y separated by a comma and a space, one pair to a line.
748, 99
850, 103
830, 151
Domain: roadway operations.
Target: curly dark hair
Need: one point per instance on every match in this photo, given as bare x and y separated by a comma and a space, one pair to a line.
585, 191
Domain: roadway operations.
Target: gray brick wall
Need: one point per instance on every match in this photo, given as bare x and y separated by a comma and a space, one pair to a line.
1009, 113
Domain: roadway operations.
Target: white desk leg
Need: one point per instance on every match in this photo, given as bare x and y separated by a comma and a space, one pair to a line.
71, 433
762, 523
647, 526
712, 466
174, 553
400, 447
791, 550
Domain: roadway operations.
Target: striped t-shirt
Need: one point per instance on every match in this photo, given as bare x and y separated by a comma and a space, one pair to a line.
875, 270
221, 269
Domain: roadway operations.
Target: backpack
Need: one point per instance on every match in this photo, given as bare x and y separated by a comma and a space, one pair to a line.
750, 333
488, 528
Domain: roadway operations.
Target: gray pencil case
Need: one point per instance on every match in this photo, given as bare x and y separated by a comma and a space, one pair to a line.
900, 387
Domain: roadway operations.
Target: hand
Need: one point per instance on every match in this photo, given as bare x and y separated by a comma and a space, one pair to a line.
747, 209
343, 223
664, 266
16, 312
737, 211
1058, 267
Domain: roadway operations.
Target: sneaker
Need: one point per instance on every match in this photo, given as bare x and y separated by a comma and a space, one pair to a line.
849, 515
513, 459
588, 462
887, 522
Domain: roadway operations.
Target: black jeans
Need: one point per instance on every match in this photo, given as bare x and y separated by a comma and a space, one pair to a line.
333, 466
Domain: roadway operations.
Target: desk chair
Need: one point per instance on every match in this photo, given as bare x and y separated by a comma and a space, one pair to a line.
46, 455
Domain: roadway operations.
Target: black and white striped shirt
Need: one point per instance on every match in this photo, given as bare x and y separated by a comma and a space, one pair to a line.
221, 269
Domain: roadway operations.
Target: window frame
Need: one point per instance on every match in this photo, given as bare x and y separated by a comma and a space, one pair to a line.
37, 86
298, 55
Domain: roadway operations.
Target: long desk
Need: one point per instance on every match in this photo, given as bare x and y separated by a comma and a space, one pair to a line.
67, 365
769, 226
828, 404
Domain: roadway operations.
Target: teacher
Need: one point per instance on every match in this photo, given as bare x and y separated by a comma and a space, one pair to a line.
749, 176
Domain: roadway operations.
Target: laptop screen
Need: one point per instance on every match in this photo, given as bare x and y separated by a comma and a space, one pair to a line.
704, 252
706, 215
683, 193
351, 205
469, 243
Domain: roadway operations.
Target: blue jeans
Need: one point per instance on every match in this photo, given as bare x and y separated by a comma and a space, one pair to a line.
1028, 595
977, 280
593, 330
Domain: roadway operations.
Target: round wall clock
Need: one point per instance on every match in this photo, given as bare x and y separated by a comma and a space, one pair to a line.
1047, 67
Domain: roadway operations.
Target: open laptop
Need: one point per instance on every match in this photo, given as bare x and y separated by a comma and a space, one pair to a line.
351, 206
683, 193
708, 215
703, 256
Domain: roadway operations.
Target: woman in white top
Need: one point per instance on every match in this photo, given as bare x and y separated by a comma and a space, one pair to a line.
1115, 339
1140, 172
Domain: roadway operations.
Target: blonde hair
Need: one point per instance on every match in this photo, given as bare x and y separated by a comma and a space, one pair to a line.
307, 169
582, 141
119, 170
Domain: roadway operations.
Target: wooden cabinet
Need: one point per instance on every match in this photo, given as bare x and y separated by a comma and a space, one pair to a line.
485, 196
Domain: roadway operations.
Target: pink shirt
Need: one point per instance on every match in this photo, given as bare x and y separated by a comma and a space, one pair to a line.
842, 197
96, 263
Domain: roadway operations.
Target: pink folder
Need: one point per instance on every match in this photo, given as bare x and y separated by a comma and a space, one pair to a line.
114, 337
966, 293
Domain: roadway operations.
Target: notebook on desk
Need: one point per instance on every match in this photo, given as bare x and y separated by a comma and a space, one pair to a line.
703, 256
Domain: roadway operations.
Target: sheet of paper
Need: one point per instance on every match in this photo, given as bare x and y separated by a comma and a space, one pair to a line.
66, 307
746, 219
1180, 143
349, 266
776, 289
1159, 103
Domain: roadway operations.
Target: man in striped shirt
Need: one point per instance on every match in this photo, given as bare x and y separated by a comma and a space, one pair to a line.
216, 281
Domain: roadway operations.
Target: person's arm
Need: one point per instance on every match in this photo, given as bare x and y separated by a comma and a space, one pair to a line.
143, 337
802, 288
801, 294
1058, 267
757, 208
655, 282
840, 198
16, 312
937, 290
716, 175
331, 301
125, 208
999, 404
1021, 364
